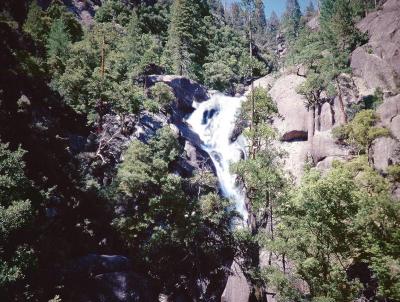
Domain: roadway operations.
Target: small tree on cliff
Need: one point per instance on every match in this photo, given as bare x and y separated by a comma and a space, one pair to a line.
163, 94
261, 175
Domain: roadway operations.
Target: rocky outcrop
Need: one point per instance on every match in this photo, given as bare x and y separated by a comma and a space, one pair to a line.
116, 132
305, 133
323, 145
378, 62
237, 288
83, 10
186, 92
385, 151
293, 121
106, 278
389, 113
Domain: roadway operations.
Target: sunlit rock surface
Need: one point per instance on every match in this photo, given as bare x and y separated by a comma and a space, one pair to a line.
378, 62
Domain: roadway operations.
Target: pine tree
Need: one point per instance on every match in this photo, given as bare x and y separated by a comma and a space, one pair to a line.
291, 20
186, 44
36, 24
260, 20
57, 45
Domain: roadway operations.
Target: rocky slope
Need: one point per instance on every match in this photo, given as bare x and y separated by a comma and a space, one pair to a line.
306, 134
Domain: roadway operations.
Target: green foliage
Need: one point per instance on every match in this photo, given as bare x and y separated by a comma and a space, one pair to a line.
58, 43
163, 95
361, 131
36, 24
330, 224
195, 234
39, 23
291, 20
83, 83
394, 172
16, 214
186, 37
113, 11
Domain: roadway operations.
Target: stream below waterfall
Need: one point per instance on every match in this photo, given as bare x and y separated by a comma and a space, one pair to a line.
214, 121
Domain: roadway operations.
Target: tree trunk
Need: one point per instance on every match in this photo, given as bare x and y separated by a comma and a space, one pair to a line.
341, 104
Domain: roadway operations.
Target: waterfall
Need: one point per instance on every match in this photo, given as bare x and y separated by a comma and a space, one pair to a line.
214, 121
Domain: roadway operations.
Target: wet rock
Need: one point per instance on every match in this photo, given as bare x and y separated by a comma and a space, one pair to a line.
186, 91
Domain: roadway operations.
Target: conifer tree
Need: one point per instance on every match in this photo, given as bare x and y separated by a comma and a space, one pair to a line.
291, 20
260, 21
186, 44
35, 23
57, 44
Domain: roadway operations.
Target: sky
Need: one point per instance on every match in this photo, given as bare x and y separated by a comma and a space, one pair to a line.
277, 5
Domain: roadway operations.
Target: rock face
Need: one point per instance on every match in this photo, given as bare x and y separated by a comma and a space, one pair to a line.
378, 62
385, 151
237, 289
306, 133
83, 10
389, 112
186, 92
115, 135
293, 121
107, 278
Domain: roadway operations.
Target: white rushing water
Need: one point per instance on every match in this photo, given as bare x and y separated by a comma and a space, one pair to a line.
214, 122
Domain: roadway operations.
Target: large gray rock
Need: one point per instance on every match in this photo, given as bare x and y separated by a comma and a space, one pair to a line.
389, 113
326, 117
378, 62
186, 91
323, 145
385, 151
293, 124
237, 288
123, 287
94, 264
297, 154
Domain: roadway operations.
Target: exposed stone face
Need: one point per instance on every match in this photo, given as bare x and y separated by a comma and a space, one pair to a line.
106, 278
378, 62
389, 113
385, 151
83, 10
297, 155
186, 92
237, 288
292, 124
326, 117
323, 145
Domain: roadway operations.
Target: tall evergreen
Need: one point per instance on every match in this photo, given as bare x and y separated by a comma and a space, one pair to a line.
260, 21
57, 44
291, 20
186, 44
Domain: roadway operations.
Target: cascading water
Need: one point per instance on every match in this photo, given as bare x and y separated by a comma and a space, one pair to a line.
214, 122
